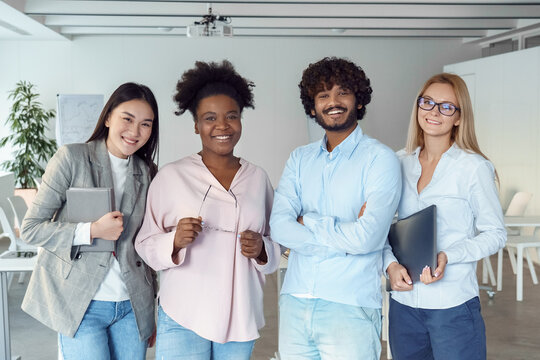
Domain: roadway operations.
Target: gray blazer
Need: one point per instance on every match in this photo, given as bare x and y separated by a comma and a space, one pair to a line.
60, 288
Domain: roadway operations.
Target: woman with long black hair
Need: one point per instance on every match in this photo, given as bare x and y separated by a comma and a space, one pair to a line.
100, 303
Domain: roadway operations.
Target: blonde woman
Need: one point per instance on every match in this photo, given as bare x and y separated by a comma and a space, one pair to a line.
438, 316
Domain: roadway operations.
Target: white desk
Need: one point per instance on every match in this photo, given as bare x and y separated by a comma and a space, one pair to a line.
9, 265
520, 244
522, 221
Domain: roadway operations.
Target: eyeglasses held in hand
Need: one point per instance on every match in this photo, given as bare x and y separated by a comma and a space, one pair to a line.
205, 225
445, 108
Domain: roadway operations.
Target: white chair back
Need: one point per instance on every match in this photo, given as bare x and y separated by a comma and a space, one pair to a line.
19, 208
7, 187
518, 204
16, 243
517, 207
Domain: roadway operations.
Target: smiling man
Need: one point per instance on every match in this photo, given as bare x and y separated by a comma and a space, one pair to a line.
332, 208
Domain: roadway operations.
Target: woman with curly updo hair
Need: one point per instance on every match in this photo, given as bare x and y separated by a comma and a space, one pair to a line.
206, 228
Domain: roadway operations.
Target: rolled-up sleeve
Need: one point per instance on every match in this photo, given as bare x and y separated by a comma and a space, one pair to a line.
155, 242
388, 257
273, 251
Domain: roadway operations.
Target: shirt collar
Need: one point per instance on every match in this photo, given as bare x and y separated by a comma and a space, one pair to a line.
453, 151
348, 145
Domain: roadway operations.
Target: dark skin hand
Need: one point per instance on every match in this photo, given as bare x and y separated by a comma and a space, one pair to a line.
187, 231
253, 246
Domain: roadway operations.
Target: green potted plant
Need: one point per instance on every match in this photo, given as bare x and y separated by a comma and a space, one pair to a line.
27, 121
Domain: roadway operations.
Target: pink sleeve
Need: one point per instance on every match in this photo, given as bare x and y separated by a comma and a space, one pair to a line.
154, 243
273, 251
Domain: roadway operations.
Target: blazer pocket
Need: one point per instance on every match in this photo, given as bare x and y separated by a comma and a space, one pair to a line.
54, 264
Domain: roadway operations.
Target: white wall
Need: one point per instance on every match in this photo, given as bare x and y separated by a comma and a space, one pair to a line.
93, 65
506, 93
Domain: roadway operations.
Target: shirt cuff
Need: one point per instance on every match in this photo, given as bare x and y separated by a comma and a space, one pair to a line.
180, 256
269, 266
82, 234
166, 249
386, 264
450, 255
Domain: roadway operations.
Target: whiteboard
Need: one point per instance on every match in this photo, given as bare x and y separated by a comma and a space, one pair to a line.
76, 117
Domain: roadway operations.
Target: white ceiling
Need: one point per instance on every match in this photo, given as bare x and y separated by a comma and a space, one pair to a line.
475, 20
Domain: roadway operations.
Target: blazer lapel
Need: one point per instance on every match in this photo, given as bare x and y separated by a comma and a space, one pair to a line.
132, 190
101, 165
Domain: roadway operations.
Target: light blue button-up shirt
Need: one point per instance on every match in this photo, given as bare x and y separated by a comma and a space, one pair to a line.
337, 256
470, 223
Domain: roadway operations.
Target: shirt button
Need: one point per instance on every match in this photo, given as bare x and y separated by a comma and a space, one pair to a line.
138, 263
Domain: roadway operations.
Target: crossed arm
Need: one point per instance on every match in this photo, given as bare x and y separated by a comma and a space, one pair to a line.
327, 235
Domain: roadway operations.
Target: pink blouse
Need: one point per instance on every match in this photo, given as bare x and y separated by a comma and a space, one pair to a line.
214, 290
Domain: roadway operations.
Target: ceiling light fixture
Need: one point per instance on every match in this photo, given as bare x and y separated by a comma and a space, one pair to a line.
211, 25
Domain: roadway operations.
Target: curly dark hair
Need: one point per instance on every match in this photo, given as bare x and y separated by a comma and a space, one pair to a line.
324, 74
209, 79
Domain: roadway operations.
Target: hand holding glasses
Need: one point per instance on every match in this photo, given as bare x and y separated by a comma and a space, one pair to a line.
252, 246
188, 228
445, 108
205, 225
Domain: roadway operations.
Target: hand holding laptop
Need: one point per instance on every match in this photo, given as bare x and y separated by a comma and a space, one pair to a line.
399, 277
95, 206
401, 281
108, 227
438, 274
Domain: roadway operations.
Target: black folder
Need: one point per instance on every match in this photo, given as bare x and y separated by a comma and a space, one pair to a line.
414, 241
88, 205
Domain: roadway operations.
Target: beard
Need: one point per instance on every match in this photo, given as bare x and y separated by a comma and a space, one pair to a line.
350, 121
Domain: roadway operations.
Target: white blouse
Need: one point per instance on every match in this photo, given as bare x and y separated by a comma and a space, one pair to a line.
470, 223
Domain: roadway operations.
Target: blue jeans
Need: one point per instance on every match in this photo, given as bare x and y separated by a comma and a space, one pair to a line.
108, 330
457, 333
320, 329
176, 342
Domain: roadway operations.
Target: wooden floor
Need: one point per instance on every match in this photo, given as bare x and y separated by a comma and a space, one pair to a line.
513, 328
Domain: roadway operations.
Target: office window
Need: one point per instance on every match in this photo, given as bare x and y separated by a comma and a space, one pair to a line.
500, 47
532, 41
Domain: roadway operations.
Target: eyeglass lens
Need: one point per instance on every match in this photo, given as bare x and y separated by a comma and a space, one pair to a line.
447, 109
206, 226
